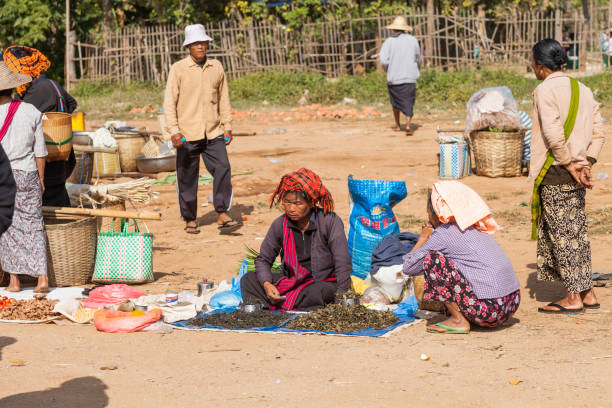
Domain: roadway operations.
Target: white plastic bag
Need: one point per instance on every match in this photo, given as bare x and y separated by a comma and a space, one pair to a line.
391, 280
492, 108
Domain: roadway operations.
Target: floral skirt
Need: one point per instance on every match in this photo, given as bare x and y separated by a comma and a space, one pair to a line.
445, 283
23, 245
564, 249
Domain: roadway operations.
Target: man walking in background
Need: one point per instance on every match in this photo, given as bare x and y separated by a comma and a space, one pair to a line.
400, 56
198, 116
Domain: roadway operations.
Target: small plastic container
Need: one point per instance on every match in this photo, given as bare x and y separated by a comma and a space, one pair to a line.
171, 298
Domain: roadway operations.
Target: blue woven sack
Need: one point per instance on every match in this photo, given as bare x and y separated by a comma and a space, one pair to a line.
372, 218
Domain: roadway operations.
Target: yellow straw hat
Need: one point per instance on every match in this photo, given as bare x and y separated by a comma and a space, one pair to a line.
399, 23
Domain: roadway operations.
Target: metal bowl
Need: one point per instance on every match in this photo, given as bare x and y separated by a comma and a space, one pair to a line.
156, 164
82, 138
252, 308
348, 302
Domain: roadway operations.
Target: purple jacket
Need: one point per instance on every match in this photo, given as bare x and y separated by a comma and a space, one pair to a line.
329, 251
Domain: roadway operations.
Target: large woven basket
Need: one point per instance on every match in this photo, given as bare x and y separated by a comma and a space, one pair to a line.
497, 154
106, 163
57, 128
71, 250
130, 147
105, 222
83, 171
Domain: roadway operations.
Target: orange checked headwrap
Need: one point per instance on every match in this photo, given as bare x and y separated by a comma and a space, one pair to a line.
307, 182
26, 61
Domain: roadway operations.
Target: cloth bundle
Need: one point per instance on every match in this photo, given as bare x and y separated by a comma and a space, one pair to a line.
454, 201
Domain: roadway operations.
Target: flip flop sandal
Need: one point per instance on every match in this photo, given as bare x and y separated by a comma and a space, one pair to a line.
562, 310
191, 229
230, 226
447, 330
593, 306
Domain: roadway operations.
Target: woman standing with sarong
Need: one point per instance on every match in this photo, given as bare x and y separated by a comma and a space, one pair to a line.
566, 141
23, 245
45, 95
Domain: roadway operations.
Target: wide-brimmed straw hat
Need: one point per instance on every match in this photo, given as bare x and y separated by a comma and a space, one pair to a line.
399, 23
9, 79
195, 33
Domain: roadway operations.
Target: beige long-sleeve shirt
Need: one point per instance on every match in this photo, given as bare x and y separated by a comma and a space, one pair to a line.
196, 102
551, 101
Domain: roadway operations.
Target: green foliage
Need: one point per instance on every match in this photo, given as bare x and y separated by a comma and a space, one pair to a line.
435, 90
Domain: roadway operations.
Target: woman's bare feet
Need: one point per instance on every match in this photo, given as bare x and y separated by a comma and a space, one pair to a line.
589, 298
43, 284
572, 301
456, 321
14, 285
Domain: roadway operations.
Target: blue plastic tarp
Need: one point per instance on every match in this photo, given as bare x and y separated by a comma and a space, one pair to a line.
280, 329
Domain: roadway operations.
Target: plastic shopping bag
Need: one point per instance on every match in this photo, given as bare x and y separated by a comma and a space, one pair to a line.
493, 108
372, 218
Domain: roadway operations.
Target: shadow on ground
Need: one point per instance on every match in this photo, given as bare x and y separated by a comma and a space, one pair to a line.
6, 341
237, 212
543, 291
79, 392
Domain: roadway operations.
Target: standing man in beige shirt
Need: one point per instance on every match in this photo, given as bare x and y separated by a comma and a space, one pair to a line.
198, 116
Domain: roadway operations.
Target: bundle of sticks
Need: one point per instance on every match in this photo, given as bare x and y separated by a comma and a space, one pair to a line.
137, 191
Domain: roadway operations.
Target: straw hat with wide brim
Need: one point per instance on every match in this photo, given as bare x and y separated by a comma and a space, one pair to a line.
399, 23
11, 80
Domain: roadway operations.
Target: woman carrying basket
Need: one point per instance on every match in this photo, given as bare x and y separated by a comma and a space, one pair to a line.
566, 141
47, 96
23, 245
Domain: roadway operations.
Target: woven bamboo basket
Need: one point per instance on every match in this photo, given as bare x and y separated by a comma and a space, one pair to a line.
57, 128
106, 163
497, 154
130, 147
104, 223
71, 250
83, 171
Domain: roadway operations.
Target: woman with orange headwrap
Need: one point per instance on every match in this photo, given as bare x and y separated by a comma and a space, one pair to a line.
314, 251
47, 96
463, 266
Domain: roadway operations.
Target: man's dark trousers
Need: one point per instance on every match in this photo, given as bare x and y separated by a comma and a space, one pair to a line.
214, 154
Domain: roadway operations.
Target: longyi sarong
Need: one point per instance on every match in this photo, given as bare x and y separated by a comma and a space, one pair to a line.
23, 245
564, 249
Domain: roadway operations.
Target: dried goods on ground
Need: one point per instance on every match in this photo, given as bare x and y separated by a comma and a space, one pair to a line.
35, 309
343, 319
241, 320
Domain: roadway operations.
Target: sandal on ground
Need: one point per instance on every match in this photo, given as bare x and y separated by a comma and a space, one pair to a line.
229, 226
447, 330
192, 229
409, 132
562, 310
593, 306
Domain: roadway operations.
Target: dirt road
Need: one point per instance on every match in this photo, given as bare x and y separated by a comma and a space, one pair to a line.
559, 360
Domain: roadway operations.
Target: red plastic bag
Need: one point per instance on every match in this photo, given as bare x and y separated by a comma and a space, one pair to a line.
111, 295
114, 321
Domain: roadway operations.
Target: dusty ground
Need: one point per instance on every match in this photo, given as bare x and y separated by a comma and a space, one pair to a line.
560, 361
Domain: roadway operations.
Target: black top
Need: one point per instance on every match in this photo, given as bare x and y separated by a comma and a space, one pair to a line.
323, 249
7, 192
43, 95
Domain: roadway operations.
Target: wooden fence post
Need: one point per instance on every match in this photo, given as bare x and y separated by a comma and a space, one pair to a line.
431, 28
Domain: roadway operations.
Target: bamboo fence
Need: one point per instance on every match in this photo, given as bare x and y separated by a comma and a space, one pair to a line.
337, 47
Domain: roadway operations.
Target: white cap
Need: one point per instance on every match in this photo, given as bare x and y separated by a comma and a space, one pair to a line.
195, 33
